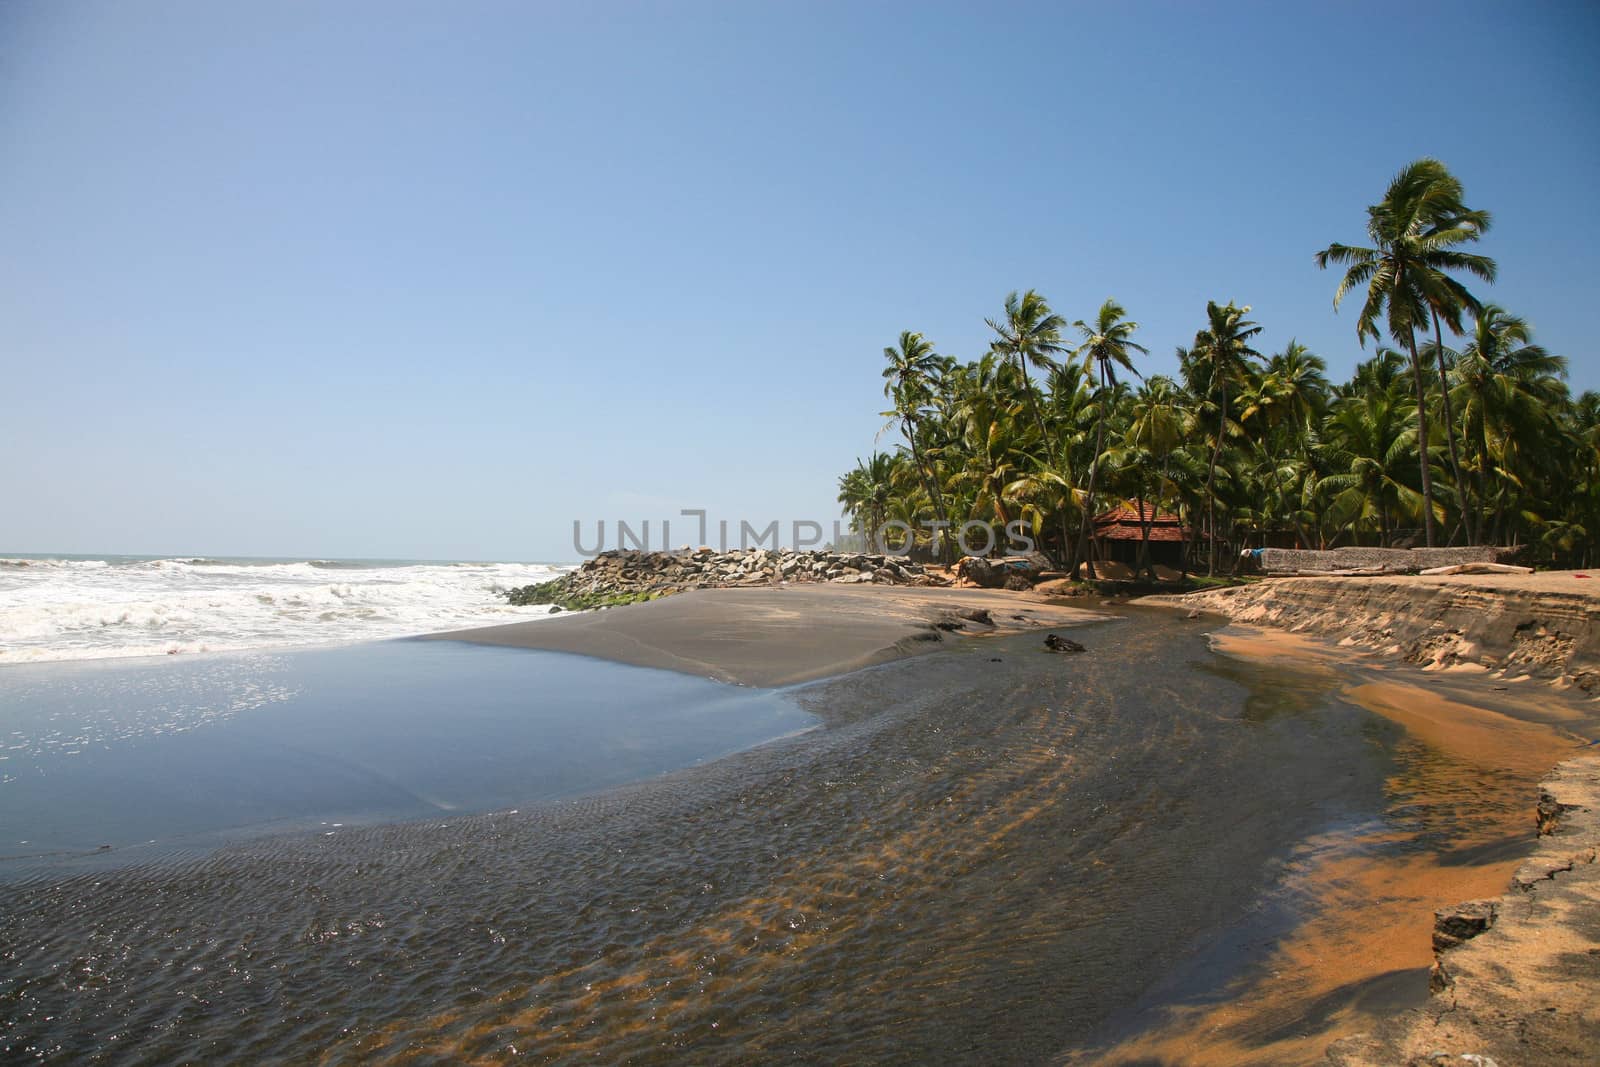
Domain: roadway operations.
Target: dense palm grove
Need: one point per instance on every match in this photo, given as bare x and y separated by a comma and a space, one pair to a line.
1463, 432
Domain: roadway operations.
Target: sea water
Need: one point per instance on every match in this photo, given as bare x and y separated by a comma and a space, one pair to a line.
99, 607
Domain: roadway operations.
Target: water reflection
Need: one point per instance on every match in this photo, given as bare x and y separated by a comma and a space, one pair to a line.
148, 757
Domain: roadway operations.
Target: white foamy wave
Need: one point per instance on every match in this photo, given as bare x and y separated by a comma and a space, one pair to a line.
58, 609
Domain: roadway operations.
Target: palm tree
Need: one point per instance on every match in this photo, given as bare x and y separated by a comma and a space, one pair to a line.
909, 382
865, 493
994, 452
1158, 423
1414, 232
1106, 346
1371, 442
1030, 333
1506, 381
1223, 349
1285, 404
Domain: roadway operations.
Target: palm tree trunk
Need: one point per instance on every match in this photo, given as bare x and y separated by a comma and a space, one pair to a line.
1450, 433
1094, 470
1422, 439
931, 484
1483, 468
1145, 567
1211, 496
1044, 443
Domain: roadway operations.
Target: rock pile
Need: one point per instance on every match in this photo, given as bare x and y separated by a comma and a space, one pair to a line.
620, 577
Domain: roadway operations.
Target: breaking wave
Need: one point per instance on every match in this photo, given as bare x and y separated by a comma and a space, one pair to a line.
54, 608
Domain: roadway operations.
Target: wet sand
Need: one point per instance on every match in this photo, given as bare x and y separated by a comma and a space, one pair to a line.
1150, 852
1459, 818
781, 635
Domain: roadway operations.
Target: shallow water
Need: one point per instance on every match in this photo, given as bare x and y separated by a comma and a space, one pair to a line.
990, 854
117, 762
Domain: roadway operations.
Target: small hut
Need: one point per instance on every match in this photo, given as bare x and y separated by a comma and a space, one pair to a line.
1119, 532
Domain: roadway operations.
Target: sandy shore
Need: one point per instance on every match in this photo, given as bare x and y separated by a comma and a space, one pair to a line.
1146, 853
782, 635
1364, 947
1524, 992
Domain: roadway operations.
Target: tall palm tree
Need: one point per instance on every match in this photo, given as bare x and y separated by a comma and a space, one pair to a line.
1285, 403
1029, 333
1414, 232
1223, 349
1159, 420
1505, 381
1106, 346
909, 383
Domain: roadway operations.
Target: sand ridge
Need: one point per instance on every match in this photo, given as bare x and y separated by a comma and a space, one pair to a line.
781, 635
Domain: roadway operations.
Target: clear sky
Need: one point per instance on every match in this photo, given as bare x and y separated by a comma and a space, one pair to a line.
434, 279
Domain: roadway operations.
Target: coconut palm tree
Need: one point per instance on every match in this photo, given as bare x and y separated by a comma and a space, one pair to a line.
1029, 334
1414, 232
865, 493
1223, 350
913, 369
1283, 406
994, 443
1107, 345
1506, 387
1159, 420
1372, 443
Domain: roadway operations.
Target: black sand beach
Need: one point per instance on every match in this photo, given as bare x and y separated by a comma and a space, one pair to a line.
991, 853
785, 634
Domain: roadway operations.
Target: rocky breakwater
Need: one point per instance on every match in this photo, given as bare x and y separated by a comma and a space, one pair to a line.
626, 577
1544, 626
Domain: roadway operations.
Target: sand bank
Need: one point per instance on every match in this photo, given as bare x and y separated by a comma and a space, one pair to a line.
1543, 626
781, 635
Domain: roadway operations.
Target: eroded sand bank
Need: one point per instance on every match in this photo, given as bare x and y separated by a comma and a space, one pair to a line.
1543, 626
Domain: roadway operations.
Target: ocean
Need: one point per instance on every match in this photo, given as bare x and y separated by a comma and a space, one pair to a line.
74, 607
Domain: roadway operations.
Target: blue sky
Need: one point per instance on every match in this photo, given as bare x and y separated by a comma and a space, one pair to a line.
432, 280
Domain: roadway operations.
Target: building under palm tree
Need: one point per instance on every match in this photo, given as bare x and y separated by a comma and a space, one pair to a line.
1119, 533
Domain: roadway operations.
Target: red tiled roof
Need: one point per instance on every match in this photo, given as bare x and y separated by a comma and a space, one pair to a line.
1131, 532
1123, 522
1128, 511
